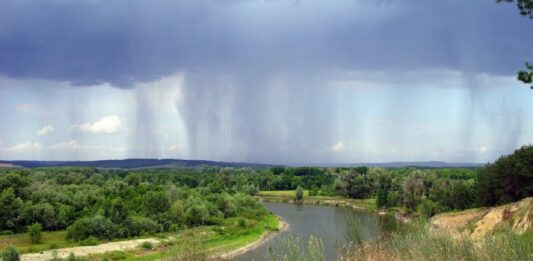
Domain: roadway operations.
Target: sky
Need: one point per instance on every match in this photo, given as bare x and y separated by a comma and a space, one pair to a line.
266, 81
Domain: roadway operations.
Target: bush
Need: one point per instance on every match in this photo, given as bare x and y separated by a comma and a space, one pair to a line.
242, 222
98, 226
429, 208
137, 226
11, 253
147, 245
35, 233
90, 241
299, 195
117, 255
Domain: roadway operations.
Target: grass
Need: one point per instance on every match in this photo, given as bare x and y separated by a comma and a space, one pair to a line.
288, 195
281, 193
232, 234
419, 244
211, 239
51, 240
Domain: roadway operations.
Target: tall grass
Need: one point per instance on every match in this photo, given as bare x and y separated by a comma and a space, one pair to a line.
416, 242
291, 248
420, 244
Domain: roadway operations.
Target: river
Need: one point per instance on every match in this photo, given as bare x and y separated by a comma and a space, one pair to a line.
330, 224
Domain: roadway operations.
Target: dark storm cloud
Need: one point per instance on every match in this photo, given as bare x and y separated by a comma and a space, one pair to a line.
256, 71
123, 42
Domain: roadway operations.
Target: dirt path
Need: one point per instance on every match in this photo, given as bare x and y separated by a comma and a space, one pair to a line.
88, 250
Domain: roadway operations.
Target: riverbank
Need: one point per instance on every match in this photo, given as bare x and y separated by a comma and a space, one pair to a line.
264, 238
214, 242
288, 197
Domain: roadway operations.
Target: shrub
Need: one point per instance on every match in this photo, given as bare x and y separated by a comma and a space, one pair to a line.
147, 245
137, 226
117, 255
242, 222
11, 253
35, 233
90, 241
98, 226
299, 195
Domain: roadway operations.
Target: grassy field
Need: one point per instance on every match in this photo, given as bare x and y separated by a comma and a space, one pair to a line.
206, 240
288, 195
51, 240
281, 193
232, 234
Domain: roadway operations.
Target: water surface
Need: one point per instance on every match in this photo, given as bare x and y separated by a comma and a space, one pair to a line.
330, 224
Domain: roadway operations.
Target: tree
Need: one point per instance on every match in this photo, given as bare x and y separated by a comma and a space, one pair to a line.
35, 233
508, 179
381, 200
526, 9
524, 6
10, 208
526, 76
299, 195
10, 254
177, 213
118, 212
156, 202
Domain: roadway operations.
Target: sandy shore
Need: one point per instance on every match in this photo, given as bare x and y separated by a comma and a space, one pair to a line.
88, 250
282, 226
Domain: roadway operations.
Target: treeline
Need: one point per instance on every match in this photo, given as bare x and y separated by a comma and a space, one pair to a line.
119, 203
107, 204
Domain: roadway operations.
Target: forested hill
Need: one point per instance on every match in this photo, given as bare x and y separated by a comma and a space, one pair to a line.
423, 164
134, 164
180, 163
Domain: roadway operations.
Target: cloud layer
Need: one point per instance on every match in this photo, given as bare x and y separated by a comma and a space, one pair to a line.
265, 81
124, 42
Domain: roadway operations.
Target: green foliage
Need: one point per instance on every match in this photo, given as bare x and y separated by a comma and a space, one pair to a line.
292, 248
429, 208
10, 254
89, 241
98, 226
10, 208
117, 255
527, 75
242, 222
35, 233
508, 179
525, 7
147, 245
299, 193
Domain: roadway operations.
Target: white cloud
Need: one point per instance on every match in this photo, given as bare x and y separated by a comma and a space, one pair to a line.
339, 146
23, 147
107, 125
46, 130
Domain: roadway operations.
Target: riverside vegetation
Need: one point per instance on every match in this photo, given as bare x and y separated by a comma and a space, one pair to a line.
47, 208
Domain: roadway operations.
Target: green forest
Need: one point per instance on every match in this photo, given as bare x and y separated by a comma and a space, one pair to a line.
109, 203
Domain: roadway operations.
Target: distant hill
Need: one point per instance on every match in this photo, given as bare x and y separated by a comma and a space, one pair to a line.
133, 164
425, 164
179, 163
8, 165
